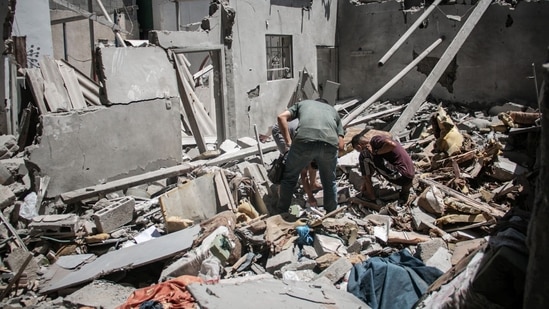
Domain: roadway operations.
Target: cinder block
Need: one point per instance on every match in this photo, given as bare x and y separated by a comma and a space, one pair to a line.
64, 225
114, 215
228, 146
283, 258
246, 142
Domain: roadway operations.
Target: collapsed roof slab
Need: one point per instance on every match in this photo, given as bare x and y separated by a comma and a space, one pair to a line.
136, 73
102, 144
128, 258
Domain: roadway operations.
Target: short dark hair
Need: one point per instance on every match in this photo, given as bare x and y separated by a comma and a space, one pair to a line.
356, 139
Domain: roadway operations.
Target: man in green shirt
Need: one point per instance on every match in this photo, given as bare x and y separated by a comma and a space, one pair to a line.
319, 136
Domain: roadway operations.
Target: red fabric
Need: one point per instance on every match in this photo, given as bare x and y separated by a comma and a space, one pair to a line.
172, 294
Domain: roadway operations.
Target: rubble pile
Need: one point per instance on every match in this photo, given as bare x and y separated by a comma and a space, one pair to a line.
208, 233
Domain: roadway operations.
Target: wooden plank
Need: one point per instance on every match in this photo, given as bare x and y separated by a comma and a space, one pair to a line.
36, 82
348, 118
224, 196
483, 207
187, 73
440, 67
80, 194
346, 105
72, 85
186, 100
241, 154
375, 115
54, 88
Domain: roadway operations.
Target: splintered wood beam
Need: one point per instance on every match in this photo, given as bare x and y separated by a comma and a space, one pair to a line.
483, 207
184, 92
84, 193
349, 117
440, 67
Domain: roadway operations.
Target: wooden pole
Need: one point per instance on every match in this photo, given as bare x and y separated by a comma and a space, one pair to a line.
352, 115
440, 67
408, 32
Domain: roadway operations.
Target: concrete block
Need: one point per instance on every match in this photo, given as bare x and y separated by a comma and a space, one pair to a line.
336, 271
7, 197
441, 259
426, 250
349, 160
504, 169
372, 249
303, 264
306, 275
283, 258
110, 295
229, 146
5, 175
114, 215
194, 200
418, 216
221, 248
326, 244
360, 244
246, 142
55, 225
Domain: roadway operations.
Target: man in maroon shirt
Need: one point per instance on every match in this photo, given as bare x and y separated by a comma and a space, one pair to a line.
380, 152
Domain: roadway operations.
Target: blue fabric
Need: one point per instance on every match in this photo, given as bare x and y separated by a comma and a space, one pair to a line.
395, 282
299, 156
304, 237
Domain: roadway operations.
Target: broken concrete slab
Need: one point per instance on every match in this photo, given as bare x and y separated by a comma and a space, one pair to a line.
7, 197
104, 189
73, 145
195, 200
336, 271
128, 258
271, 293
246, 142
285, 257
99, 294
441, 260
125, 82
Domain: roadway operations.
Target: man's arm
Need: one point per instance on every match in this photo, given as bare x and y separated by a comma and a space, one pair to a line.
367, 189
283, 119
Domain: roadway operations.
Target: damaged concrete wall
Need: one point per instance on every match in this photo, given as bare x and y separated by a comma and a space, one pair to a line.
139, 137
136, 73
493, 64
71, 37
245, 54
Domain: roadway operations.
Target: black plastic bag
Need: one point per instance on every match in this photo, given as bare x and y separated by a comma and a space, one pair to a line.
277, 169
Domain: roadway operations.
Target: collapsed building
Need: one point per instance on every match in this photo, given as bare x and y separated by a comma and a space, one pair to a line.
151, 171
